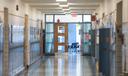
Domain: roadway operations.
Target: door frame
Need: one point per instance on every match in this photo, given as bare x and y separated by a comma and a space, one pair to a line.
119, 39
56, 34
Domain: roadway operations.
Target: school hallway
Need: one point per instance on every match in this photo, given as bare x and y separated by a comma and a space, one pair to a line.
63, 65
63, 37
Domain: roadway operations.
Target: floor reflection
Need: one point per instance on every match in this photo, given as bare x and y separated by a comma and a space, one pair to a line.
63, 65
0, 63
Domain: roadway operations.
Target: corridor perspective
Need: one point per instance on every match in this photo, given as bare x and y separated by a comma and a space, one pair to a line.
64, 65
63, 37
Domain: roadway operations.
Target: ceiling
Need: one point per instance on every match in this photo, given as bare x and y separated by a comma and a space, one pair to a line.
52, 7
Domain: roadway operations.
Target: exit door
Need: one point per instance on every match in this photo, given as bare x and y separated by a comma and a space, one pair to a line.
61, 37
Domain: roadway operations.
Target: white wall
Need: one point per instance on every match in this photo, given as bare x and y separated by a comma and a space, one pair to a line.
125, 30
125, 10
24, 8
107, 6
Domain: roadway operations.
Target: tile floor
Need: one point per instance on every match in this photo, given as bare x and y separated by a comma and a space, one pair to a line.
62, 65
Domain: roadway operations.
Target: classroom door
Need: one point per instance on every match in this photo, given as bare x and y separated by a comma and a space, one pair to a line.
61, 37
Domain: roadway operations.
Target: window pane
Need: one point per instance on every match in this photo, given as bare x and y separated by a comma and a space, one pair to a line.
86, 37
61, 39
61, 49
87, 18
49, 27
49, 47
49, 38
61, 29
49, 18
87, 27
68, 18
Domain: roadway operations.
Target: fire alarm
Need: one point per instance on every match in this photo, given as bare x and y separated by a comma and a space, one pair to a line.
17, 8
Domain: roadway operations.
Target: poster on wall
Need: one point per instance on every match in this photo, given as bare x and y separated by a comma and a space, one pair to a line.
87, 36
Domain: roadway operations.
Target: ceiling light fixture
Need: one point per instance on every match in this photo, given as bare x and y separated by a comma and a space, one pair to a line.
61, 0
64, 4
65, 8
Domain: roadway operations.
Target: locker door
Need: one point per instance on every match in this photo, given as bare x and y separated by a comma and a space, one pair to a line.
92, 48
104, 51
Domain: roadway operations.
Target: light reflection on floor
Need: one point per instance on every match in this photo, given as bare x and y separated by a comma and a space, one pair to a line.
62, 65
0, 63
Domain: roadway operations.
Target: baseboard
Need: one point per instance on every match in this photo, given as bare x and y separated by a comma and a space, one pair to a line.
52, 54
86, 54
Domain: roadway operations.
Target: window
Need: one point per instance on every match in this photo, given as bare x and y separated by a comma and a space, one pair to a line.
49, 18
87, 18
49, 27
68, 18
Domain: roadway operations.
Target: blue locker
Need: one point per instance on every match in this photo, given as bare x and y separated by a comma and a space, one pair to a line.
104, 51
93, 38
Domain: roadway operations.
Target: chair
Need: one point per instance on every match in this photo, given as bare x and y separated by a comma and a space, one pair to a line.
75, 46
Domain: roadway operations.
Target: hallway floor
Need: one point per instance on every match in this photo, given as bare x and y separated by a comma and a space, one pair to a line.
62, 65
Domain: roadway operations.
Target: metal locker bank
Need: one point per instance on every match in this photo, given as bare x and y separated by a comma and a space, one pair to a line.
104, 51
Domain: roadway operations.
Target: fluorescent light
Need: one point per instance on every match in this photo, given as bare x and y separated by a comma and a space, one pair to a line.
65, 8
61, 0
63, 5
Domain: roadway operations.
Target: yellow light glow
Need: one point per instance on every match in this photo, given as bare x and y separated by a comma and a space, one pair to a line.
61, 0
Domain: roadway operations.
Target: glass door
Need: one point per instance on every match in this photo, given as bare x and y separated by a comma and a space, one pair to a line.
85, 39
61, 37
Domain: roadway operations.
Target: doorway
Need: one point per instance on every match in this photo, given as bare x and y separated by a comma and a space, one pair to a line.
67, 37
52, 37
61, 37
74, 37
